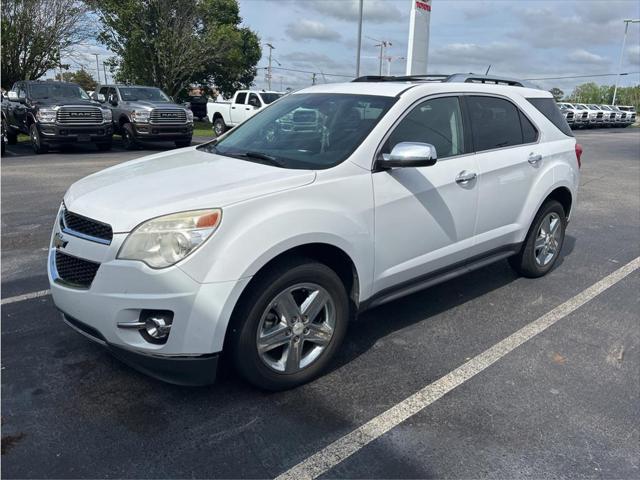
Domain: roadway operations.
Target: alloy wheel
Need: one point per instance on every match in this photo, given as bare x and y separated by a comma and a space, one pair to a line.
296, 327
548, 239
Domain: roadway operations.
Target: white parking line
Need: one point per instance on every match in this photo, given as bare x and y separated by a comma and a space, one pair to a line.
26, 296
330, 456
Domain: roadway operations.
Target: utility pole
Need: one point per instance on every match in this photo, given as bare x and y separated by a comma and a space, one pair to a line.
389, 60
271, 48
624, 41
313, 79
60, 62
382, 44
359, 38
104, 69
97, 67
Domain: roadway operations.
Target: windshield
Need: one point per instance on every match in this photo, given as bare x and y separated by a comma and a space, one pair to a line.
306, 131
43, 91
149, 94
593, 107
270, 97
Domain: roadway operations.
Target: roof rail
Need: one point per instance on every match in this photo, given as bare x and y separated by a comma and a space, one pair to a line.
456, 77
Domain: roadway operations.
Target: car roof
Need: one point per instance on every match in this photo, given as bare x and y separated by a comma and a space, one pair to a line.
393, 89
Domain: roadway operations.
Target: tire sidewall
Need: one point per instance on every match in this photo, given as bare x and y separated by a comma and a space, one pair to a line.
222, 126
36, 139
552, 206
128, 138
244, 346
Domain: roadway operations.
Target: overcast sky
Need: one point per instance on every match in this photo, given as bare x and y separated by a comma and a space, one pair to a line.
519, 38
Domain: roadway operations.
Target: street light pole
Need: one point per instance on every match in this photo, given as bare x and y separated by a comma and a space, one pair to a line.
359, 39
624, 41
97, 67
271, 48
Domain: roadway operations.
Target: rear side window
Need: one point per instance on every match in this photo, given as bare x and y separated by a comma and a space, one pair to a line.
547, 106
497, 123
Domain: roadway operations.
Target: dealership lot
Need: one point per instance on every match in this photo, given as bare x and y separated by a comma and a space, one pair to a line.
563, 404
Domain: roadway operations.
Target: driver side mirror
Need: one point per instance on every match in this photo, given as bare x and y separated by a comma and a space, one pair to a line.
13, 96
409, 154
100, 98
113, 100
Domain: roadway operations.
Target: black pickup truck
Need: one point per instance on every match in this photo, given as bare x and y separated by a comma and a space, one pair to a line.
53, 114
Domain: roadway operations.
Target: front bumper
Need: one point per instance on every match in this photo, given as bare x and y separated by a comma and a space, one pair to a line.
54, 133
159, 133
179, 370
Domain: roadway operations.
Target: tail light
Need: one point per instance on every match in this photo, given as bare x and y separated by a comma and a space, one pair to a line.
579, 154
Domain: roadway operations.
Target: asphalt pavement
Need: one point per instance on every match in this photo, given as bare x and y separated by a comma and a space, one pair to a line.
565, 404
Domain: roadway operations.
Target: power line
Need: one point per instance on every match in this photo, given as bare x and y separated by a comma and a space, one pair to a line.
308, 71
582, 76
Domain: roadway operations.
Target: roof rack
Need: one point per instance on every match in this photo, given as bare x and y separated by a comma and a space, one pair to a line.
456, 77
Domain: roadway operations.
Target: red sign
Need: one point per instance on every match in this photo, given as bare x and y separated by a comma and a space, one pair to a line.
423, 5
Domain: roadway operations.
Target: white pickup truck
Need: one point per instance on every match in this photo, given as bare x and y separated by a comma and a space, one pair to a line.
243, 105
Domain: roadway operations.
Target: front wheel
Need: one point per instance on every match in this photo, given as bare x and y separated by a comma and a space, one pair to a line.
128, 137
36, 141
290, 325
543, 243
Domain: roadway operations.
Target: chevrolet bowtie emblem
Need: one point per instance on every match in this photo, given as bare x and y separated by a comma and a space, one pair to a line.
58, 241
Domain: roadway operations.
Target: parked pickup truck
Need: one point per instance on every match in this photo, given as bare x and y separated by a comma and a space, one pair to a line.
55, 113
146, 114
630, 110
244, 104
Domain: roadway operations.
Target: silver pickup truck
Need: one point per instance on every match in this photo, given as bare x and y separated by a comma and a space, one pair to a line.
146, 114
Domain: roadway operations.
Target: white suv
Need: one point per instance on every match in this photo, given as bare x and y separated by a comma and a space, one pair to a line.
264, 242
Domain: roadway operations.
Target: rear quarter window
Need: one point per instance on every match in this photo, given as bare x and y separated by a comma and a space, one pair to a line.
548, 107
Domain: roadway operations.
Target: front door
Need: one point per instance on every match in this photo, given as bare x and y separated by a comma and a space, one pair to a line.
425, 217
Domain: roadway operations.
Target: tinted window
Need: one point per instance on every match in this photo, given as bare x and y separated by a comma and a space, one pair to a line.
495, 123
103, 91
437, 121
548, 108
47, 90
270, 97
149, 94
529, 132
254, 100
241, 97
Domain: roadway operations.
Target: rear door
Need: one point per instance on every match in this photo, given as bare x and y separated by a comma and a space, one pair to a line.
508, 154
237, 109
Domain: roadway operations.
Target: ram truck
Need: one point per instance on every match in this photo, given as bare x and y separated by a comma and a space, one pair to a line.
244, 104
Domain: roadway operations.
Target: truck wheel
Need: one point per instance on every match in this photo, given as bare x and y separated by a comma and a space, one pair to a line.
543, 243
183, 143
36, 141
128, 137
289, 325
104, 147
219, 127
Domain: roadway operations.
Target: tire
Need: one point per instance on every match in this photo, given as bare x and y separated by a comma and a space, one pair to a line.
183, 143
532, 261
129, 137
259, 311
219, 127
104, 147
36, 141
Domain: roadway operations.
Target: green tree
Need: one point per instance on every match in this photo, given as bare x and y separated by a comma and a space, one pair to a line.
557, 93
33, 34
172, 44
81, 77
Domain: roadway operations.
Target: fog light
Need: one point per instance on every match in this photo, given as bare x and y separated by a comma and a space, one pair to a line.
157, 325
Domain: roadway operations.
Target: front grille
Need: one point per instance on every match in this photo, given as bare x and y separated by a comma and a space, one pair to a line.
599, 115
624, 116
86, 226
569, 115
584, 115
75, 271
79, 116
168, 115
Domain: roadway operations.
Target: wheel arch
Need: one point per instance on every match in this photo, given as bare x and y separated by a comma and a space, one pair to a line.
563, 196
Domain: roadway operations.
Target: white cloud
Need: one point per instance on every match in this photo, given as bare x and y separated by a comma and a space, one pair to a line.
311, 29
585, 57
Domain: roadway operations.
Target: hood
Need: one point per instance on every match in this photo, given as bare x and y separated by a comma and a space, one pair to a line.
63, 102
187, 179
147, 104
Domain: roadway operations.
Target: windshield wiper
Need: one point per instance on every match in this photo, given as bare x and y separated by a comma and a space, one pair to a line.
263, 156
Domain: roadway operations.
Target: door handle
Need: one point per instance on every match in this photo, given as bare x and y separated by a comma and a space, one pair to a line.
534, 159
233, 108
465, 177
247, 109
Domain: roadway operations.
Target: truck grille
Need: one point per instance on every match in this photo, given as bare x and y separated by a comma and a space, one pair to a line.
75, 271
599, 115
584, 115
624, 116
612, 116
79, 116
569, 115
168, 115
86, 226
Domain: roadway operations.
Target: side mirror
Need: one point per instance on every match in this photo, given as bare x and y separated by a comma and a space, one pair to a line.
409, 154
113, 100
100, 98
13, 96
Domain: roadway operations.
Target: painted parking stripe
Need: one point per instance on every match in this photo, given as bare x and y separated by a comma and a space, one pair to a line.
26, 296
330, 456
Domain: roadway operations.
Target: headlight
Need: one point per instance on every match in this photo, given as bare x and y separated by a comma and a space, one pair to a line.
164, 241
189, 116
46, 115
107, 115
140, 116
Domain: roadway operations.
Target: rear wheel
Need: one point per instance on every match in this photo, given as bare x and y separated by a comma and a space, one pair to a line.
219, 127
288, 327
128, 137
544, 241
36, 140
